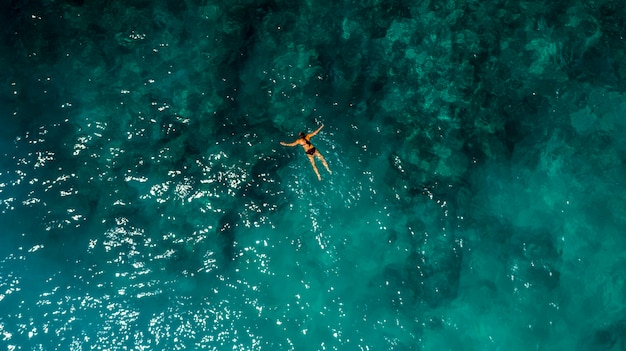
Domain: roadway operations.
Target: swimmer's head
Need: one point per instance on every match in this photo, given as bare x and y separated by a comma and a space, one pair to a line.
302, 135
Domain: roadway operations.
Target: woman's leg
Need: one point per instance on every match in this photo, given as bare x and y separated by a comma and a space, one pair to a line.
314, 167
319, 155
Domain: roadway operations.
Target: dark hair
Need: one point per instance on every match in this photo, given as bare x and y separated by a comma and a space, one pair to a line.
302, 135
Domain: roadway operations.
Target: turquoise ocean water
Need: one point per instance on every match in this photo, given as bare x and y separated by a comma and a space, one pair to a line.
477, 202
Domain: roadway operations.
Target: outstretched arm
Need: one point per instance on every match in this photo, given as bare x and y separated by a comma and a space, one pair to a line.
315, 132
290, 144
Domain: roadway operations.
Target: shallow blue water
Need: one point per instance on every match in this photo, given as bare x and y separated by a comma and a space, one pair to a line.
476, 200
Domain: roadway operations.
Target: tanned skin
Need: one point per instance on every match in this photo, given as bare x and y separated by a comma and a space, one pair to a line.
310, 150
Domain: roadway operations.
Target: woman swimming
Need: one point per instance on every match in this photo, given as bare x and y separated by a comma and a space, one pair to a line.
311, 151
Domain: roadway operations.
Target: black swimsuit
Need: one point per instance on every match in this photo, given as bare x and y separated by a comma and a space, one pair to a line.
312, 150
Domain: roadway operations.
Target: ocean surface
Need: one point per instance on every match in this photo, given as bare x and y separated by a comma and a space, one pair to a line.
476, 201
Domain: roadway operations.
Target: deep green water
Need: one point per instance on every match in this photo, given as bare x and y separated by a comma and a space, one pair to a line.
477, 200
